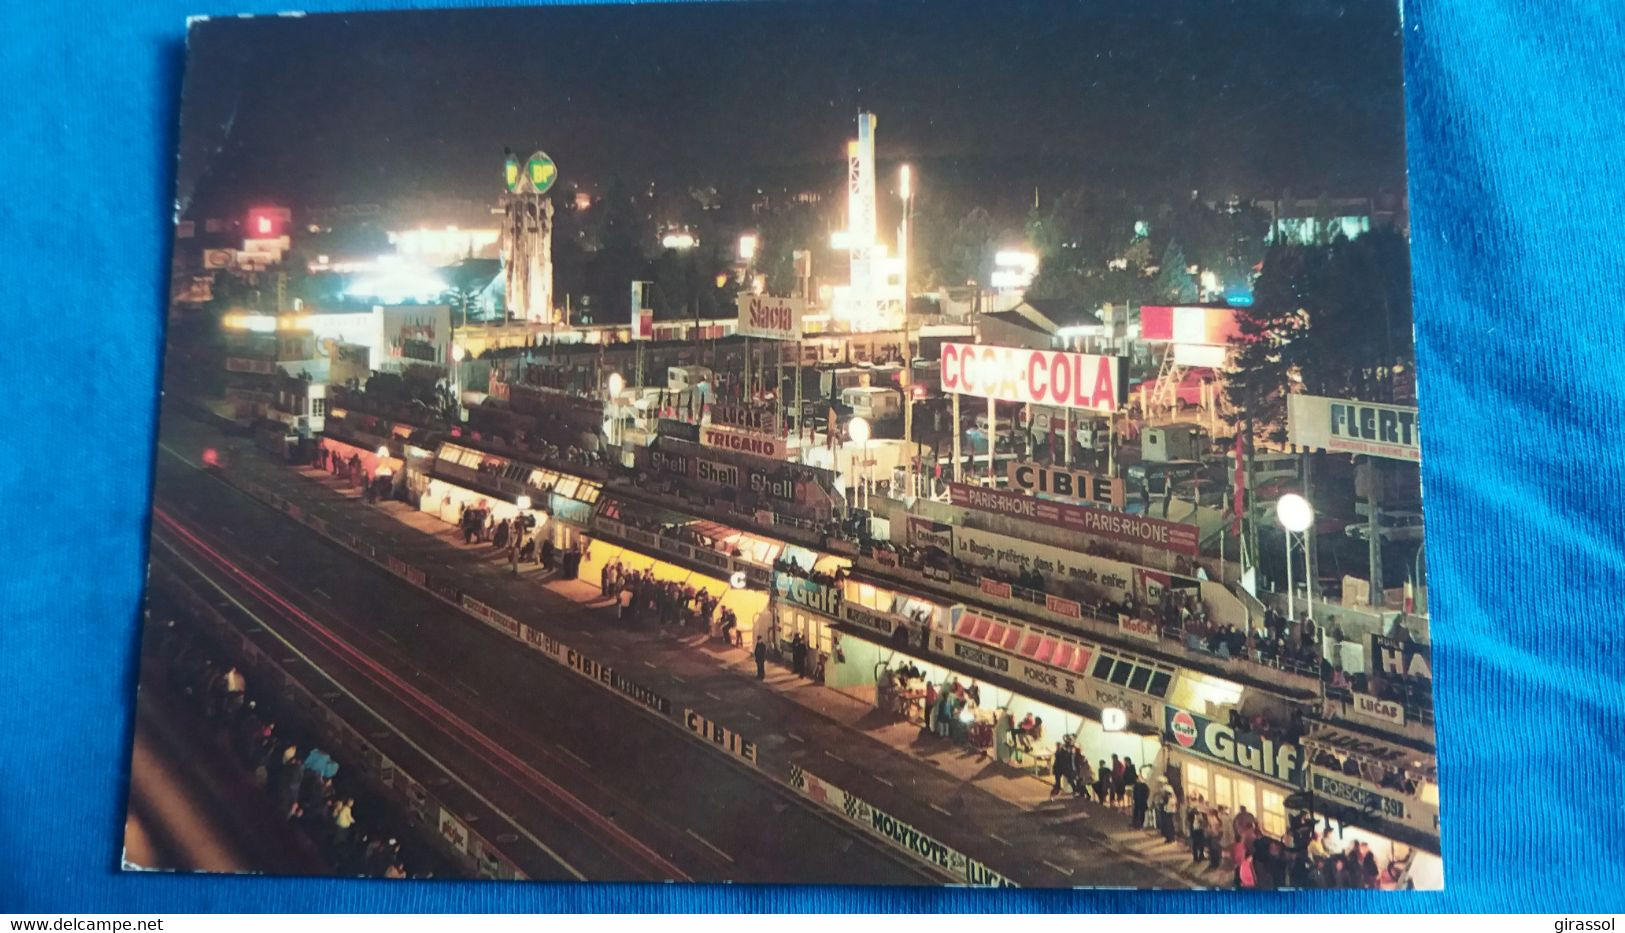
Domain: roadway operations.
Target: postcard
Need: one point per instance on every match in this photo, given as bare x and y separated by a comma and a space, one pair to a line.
793, 443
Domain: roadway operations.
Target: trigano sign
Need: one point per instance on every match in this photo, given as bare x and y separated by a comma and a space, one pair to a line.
760, 445
1202, 736
1116, 526
1378, 430
1039, 377
1073, 484
773, 318
961, 867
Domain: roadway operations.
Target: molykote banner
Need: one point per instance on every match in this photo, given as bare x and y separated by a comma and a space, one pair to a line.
1038, 377
1346, 426
1114, 526
773, 318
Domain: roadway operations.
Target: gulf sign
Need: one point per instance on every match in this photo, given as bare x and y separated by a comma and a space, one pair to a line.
773, 318
1266, 758
1038, 377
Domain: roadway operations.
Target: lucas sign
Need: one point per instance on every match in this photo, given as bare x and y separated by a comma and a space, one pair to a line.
1039, 377
1217, 741
1346, 426
1070, 484
773, 318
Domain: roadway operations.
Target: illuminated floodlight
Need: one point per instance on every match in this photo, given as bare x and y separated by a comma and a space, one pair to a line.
840, 240
678, 241
394, 281
747, 247
1017, 259
616, 383
905, 183
1294, 513
457, 353
859, 429
383, 450
522, 503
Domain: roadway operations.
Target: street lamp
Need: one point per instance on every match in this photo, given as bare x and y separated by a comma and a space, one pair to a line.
457, 354
905, 190
617, 383
859, 430
383, 451
1296, 515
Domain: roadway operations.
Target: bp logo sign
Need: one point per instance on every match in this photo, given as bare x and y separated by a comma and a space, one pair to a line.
536, 176
1183, 728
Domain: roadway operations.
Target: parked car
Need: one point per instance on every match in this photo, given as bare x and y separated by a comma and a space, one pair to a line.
1395, 526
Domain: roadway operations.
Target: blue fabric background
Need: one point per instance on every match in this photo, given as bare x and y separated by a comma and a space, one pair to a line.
1517, 162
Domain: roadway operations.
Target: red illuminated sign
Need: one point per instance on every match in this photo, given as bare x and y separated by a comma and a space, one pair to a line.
1039, 377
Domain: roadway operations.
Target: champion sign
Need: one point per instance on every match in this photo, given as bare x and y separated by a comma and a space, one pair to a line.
773, 318
1039, 377
1264, 757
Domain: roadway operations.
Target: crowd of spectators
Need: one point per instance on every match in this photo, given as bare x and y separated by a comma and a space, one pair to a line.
302, 783
1305, 856
641, 597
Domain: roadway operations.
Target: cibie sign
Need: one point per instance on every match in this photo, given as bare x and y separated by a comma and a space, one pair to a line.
1202, 736
773, 318
1039, 377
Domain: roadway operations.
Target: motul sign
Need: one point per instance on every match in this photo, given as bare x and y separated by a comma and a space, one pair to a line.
1039, 377
773, 318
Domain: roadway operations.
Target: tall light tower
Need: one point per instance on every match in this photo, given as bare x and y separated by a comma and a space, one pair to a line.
527, 237
905, 190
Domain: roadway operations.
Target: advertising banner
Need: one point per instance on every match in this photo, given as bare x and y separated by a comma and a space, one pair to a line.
756, 419
960, 866
717, 472
1038, 377
1054, 480
760, 445
1063, 607
1266, 758
1380, 802
1109, 578
1177, 537
613, 679
995, 588
453, 831
922, 532
872, 619
1189, 326
1346, 426
802, 592
723, 738
1393, 657
1366, 706
773, 318
661, 461
1136, 627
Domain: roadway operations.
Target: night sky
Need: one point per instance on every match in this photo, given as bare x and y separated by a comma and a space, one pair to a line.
1248, 97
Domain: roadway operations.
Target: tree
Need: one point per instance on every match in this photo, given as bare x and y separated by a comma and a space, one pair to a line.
1335, 317
1174, 280
621, 231
778, 235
